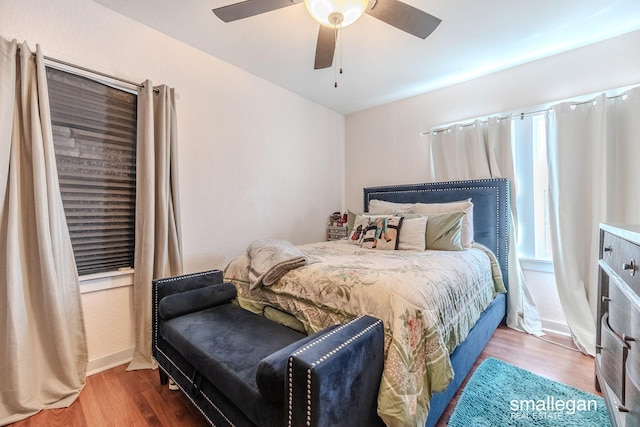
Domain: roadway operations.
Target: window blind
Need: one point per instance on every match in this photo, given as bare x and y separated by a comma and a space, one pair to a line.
94, 134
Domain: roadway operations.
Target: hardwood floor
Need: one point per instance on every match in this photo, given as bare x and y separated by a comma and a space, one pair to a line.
120, 398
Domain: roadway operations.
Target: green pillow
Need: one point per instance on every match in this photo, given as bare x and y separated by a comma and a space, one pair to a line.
351, 218
444, 231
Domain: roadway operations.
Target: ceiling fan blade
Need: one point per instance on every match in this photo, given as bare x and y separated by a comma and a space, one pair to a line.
325, 48
248, 8
405, 17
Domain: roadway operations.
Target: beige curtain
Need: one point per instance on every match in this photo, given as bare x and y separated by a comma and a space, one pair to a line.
43, 349
479, 150
593, 151
158, 251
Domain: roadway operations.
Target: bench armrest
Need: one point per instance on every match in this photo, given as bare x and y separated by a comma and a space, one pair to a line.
161, 288
173, 285
334, 380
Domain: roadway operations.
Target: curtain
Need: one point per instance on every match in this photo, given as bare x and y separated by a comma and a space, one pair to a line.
158, 249
593, 150
484, 150
43, 349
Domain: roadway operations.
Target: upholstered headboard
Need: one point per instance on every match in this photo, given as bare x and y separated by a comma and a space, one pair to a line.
490, 199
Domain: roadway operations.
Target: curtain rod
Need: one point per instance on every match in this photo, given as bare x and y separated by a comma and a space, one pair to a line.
520, 116
89, 70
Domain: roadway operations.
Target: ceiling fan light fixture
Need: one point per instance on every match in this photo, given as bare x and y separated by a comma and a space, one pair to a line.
332, 13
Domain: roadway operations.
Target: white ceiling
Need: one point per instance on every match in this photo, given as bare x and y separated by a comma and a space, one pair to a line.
381, 63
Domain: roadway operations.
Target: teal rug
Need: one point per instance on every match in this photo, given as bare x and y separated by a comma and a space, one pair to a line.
499, 394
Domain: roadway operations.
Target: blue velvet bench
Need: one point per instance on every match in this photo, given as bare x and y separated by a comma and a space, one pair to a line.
242, 369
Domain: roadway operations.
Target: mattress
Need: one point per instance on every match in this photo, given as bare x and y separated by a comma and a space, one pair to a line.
428, 301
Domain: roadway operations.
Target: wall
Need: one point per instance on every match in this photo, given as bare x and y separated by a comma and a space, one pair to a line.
392, 131
255, 160
259, 161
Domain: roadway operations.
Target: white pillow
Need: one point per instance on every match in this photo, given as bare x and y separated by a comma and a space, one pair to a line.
383, 207
412, 234
465, 206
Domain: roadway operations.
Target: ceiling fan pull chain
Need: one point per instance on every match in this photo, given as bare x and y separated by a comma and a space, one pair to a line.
335, 66
340, 47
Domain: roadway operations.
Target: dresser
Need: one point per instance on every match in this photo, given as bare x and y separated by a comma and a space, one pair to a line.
336, 232
618, 327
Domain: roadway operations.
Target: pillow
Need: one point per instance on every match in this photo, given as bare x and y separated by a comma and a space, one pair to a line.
444, 231
356, 230
358, 225
384, 207
195, 300
466, 206
351, 217
414, 233
382, 232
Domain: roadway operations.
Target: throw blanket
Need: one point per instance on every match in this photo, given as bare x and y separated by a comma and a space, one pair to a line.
271, 259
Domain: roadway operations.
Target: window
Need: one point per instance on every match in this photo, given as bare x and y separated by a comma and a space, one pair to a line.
94, 134
532, 189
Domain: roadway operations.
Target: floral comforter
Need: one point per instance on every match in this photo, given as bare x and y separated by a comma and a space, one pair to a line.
427, 300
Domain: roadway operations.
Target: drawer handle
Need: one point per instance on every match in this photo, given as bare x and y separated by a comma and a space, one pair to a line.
622, 408
605, 298
631, 266
608, 249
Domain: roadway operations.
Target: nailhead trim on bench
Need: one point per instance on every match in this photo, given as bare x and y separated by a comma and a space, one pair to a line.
173, 279
322, 358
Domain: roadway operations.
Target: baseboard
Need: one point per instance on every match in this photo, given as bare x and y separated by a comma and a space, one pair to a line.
109, 361
554, 327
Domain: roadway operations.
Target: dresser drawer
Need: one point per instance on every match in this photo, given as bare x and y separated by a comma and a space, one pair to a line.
620, 307
623, 257
624, 319
632, 400
613, 357
634, 341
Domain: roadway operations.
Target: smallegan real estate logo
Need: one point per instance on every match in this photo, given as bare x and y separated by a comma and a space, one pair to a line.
550, 408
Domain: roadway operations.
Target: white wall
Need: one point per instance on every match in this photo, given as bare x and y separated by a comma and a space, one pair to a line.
392, 131
259, 161
390, 134
255, 160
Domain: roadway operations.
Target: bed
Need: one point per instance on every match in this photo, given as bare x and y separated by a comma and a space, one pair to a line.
435, 326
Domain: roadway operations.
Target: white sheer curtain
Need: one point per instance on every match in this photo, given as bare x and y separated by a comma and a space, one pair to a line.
158, 249
43, 349
484, 150
593, 153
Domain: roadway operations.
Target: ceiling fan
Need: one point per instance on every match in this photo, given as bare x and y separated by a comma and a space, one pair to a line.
336, 14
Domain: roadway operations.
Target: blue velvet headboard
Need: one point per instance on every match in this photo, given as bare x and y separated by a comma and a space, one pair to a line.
490, 199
